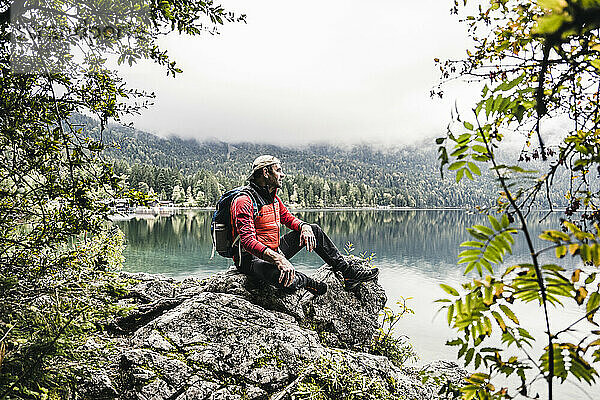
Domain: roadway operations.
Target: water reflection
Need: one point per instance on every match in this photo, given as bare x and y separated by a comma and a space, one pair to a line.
423, 239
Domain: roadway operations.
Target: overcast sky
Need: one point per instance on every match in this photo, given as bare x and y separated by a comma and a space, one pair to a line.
313, 71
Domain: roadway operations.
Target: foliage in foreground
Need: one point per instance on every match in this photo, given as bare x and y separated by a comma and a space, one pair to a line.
539, 63
326, 379
396, 348
56, 249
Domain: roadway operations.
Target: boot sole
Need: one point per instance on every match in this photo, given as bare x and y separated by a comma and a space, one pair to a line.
351, 283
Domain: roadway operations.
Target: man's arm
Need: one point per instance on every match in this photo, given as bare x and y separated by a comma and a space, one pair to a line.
242, 213
307, 236
287, 218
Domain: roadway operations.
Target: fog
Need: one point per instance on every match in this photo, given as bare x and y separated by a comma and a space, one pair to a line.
296, 73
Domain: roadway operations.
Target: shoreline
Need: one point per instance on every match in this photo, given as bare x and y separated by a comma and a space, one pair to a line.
167, 212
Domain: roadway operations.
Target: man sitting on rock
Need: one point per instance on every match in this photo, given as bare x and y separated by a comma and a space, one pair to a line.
264, 254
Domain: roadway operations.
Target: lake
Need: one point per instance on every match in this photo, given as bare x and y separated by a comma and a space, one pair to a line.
415, 250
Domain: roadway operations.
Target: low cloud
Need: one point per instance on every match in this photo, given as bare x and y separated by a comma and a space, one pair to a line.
337, 72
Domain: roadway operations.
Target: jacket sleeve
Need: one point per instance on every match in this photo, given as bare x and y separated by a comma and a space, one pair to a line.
287, 218
242, 215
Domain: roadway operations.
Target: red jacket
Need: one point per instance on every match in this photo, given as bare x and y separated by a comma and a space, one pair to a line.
258, 233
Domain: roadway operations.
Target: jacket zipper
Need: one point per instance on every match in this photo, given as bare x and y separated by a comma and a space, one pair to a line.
276, 223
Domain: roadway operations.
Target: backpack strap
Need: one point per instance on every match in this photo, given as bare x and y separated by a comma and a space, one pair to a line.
248, 190
214, 246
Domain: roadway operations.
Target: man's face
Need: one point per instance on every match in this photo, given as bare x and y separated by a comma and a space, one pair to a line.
274, 175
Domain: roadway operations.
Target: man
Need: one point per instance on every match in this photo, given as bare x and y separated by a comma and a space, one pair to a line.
264, 254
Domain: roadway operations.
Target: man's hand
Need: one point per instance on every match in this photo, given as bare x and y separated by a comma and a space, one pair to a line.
307, 237
287, 274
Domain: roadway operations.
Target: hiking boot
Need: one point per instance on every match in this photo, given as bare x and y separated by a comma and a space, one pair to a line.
357, 274
315, 288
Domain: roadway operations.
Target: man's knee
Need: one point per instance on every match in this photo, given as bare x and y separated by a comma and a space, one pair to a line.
316, 228
318, 232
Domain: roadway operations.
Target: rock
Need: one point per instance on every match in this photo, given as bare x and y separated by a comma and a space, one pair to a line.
346, 319
222, 336
231, 337
148, 288
266, 296
343, 319
98, 385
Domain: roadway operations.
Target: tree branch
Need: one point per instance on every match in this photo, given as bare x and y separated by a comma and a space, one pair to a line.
532, 252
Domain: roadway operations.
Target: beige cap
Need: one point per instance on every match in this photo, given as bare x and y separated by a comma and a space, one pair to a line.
261, 162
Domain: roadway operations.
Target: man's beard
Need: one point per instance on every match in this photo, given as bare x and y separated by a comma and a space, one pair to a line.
274, 184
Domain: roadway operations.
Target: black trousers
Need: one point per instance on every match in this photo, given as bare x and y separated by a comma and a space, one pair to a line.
289, 245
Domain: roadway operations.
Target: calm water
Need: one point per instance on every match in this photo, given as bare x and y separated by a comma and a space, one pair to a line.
415, 251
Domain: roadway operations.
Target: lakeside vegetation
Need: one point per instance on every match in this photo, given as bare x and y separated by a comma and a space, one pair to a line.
194, 173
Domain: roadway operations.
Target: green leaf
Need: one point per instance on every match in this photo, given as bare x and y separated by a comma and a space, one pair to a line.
592, 306
469, 252
499, 320
558, 235
590, 278
480, 149
480, 158
459, 175
549, 24
450, 314
484, 91
469, 391
468, 259
474, 168
514, 82
449, 289
508, 312
477, 235
460, 150
471, 243
585, 252
469, 356
468, 173
488, 106
494, 222
464, 138
487, 266
468, 125
492, 255
488, 296
455, 342
456, 165
555, 5
488, 326
477, 378
484, 229
470, 267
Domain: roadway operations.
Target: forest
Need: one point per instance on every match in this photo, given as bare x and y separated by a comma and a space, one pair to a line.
192, 173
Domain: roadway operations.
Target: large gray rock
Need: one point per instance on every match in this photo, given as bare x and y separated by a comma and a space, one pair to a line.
345, 319
231, 337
